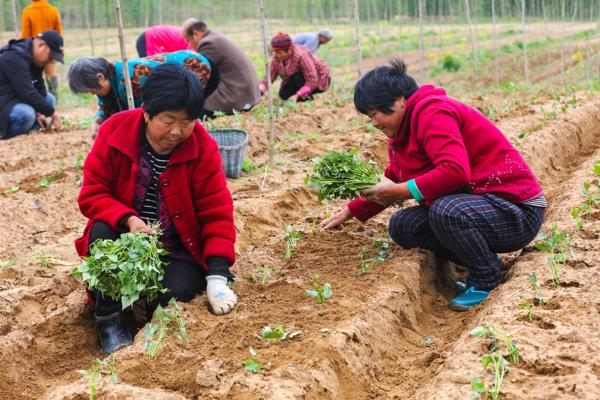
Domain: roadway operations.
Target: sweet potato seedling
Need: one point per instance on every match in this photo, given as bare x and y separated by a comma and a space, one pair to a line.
12, 189
250, 364
125, 268
381, 248
165, 322
292, 237
277, 332
43, 260
483, 390
556, 245
528, 307
49, 179
320, 293
495, 335
94, 374
535, 288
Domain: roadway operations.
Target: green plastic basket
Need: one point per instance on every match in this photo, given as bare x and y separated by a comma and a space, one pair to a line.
232, 147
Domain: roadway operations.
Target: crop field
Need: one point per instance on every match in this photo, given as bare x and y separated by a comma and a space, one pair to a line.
374, 323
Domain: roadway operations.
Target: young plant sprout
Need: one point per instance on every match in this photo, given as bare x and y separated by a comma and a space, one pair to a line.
483, 390
496, 335
250, 364
277, 332
528, 307
535, 287
49, 179
342, 175
167, 321
125, 268
555, 245
320, 293
94, 374
293, 237
381, 248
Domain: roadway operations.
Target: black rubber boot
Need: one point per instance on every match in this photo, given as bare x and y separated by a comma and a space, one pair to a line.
112, 332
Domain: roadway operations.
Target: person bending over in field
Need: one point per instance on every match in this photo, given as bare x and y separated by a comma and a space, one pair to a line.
160, 39
104, 79
303, 73
313, 40
157, 163
477, 195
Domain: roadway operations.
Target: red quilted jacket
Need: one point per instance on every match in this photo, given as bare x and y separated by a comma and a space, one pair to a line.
193, 185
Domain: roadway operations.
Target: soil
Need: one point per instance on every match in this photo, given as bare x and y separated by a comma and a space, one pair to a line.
385, 334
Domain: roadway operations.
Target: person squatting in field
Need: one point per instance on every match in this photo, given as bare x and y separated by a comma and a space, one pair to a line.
104, 79
313, 40
24, 102
303, 73
238, 90
477, 195
36, 18
158, 163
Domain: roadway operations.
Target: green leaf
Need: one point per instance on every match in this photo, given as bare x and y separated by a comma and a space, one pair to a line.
478, 331
312, 293
327, 291
252, 365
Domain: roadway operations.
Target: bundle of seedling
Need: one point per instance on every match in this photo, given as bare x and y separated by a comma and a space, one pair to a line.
126, 268
342, 175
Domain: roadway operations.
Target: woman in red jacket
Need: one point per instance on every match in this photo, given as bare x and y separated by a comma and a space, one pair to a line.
157, 163
477, 195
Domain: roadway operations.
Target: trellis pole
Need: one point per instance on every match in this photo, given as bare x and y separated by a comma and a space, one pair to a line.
119, 20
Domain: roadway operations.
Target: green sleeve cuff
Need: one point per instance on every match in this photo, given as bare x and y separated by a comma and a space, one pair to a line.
414, 190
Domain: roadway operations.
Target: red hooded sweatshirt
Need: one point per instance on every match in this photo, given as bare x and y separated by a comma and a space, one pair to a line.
444, 146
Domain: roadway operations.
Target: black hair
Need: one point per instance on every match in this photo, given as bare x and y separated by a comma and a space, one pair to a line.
197, 26
83, 73
380, 88
171, 87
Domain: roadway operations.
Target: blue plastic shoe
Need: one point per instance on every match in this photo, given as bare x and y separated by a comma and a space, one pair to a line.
471, 297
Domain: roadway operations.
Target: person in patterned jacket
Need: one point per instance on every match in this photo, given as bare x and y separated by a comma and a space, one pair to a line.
97, 76
303, 73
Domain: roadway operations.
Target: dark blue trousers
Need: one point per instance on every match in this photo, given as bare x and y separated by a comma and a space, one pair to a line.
469, 230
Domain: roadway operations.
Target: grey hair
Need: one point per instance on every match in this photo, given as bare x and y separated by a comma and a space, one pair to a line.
326, 33
83, 73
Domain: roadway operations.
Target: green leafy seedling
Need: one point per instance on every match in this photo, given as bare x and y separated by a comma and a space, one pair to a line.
94, 374
250, 364
535, 288
528, 307
166, 322
12, 189
43, 260
49, 179
125, 268
482, 390
248, 166
277, 332
320, 293
292, 237
556, 244
496, 335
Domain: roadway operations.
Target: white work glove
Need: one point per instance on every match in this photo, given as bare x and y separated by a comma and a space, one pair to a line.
221, 298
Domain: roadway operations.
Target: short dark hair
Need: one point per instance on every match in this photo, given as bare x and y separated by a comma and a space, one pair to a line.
193, 27
380, 88
171, 87
83, 73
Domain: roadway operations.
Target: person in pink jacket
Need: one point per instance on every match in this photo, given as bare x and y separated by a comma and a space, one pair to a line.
477, 195
160, 39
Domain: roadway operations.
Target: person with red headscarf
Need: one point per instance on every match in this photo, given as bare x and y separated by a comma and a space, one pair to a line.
303, 73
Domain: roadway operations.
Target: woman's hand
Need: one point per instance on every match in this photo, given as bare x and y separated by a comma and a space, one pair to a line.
262, 88
95, 126
136, 224
337, 219
385, 192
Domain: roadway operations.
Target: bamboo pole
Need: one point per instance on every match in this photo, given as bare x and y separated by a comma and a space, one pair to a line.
524, 36
562, 48
159, 8
357, 47
495, 44
2, 26
421, 45
472, 39
263, 29
88, 27
15, 20
119, 20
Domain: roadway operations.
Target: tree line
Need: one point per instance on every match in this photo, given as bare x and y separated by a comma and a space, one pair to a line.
141, 13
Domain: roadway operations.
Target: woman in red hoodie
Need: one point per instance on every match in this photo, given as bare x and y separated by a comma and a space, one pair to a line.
477, 195
158, 164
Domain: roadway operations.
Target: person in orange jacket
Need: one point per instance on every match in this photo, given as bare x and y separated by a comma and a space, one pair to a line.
38, 17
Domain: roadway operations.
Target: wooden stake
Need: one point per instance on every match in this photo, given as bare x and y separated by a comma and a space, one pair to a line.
472, 38
357, 47
524, 36
15, 20
421, 45
495, 44
88, 27
263, 29
119, 20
